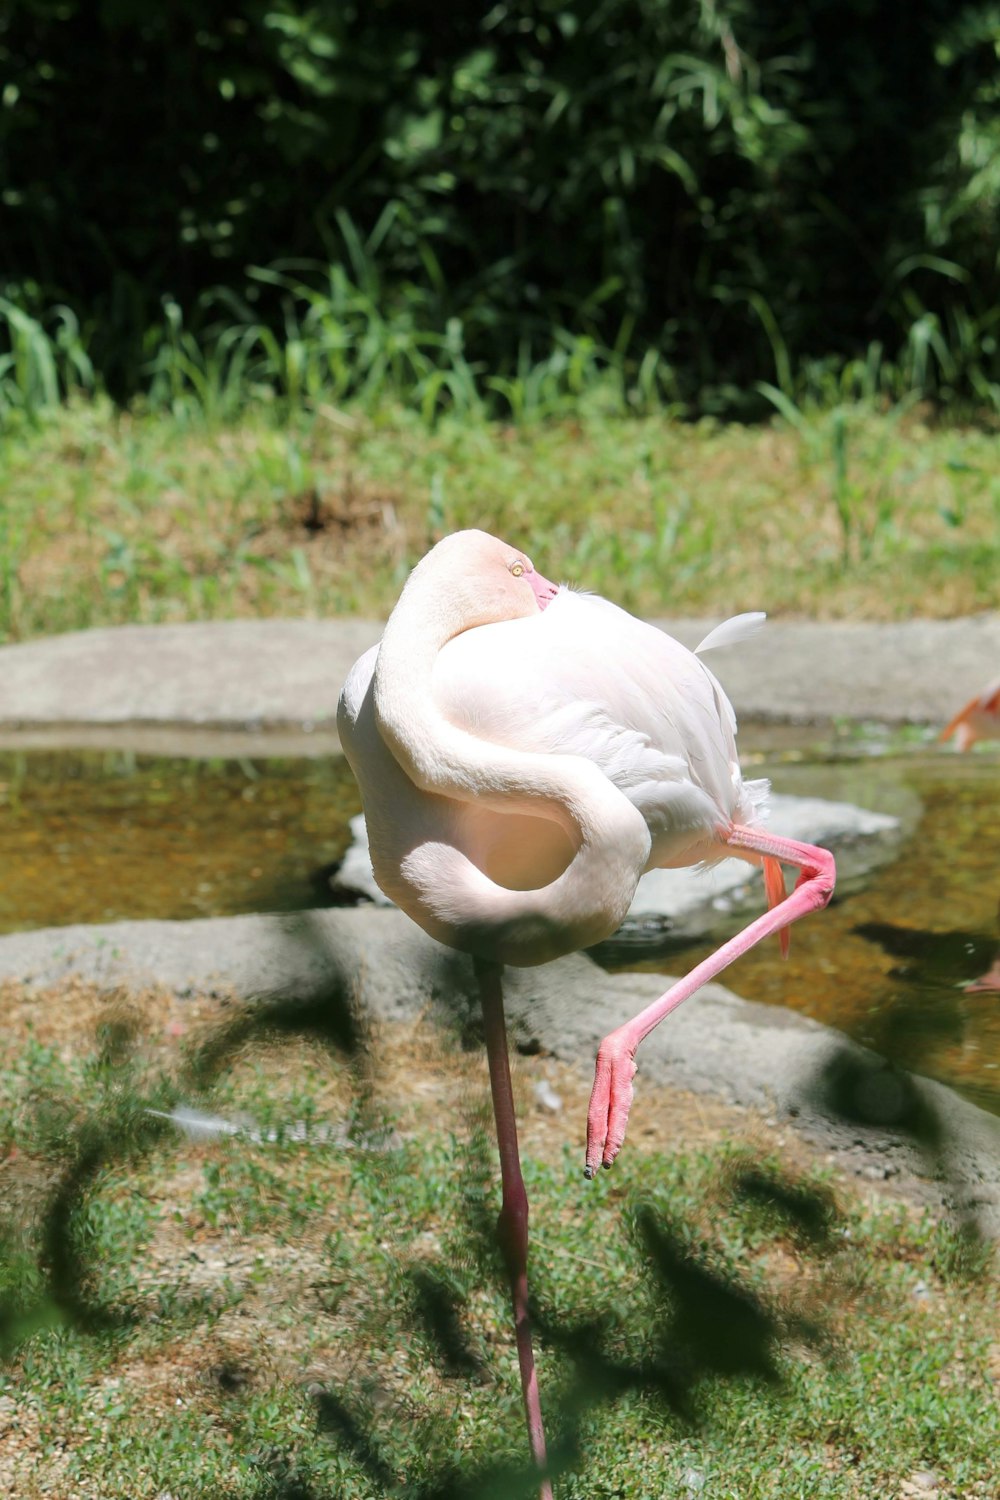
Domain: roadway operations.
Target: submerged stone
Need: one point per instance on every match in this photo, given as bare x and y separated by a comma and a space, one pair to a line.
683, 906
355, 876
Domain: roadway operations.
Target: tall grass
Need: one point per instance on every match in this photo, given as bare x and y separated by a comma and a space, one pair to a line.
331, 337
305, 334
43, 358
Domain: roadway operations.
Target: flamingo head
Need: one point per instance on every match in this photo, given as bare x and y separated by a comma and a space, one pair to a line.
487, 579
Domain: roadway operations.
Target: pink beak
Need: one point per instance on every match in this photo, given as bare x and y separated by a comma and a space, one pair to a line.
543, 590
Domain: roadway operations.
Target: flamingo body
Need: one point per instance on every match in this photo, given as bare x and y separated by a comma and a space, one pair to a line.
580, 678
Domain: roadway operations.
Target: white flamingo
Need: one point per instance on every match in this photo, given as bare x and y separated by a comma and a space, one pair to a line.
525, 753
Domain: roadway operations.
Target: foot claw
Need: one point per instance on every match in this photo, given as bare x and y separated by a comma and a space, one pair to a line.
610, 1100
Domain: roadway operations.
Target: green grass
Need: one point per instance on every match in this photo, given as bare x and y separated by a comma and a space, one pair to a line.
301, 1319
840, 512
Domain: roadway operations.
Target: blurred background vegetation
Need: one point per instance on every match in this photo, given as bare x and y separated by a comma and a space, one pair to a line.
709, 203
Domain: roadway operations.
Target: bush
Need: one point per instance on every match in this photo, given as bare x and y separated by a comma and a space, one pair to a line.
738, 191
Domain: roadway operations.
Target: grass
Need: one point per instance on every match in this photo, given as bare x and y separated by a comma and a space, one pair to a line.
846, 512
289, 1317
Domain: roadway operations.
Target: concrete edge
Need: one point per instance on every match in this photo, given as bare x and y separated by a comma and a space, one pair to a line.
231, 676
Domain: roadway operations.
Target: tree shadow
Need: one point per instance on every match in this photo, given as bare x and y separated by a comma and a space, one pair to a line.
707, 1324
877, 1096
129, 1122
703, 1320
937, 958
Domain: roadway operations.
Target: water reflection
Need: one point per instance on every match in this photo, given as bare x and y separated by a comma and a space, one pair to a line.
97, 837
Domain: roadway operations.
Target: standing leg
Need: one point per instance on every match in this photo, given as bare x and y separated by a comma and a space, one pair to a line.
512, 1226
612, 1091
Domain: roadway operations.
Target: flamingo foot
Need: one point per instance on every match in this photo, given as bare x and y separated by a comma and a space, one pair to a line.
986, 984
611, 1095
610, 1098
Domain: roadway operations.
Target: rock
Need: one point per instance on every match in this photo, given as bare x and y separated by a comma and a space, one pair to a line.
354, 877
902, 671
269, 674
199, 1126
546, 1097
923, 1482
240, 674
687, 905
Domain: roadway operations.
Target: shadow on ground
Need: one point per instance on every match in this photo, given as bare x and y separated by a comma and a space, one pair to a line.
703, 1321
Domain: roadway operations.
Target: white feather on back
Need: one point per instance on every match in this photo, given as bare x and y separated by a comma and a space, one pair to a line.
732, 631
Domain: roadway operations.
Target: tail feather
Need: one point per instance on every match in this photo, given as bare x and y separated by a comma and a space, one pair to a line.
732, 631
774, 886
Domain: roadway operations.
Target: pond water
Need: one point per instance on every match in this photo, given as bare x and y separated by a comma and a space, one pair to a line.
888, 965
96, 837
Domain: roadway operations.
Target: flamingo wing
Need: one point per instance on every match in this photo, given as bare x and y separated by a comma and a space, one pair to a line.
587, 678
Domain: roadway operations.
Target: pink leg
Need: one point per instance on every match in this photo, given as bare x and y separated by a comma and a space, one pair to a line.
612, 1091
512, 1226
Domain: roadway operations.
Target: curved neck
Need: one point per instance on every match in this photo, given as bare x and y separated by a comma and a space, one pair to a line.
440, 757
420, 626
610, 834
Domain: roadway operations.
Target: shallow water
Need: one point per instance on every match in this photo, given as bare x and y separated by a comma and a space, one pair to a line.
888, 964
96, 837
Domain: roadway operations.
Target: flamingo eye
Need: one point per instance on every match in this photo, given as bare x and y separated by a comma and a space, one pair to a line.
517, 569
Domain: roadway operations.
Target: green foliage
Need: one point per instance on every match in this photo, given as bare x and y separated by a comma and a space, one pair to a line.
40, 359
501, 204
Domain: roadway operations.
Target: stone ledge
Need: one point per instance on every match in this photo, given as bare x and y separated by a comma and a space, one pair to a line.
233, 676
751, 1055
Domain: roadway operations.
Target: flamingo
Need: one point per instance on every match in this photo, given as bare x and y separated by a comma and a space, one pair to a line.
525, 752
988, 983
978, 720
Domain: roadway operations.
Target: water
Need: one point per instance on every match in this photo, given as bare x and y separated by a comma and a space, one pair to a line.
96, 837
887, 965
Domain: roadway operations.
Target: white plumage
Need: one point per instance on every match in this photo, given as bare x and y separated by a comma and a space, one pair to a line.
579, 678
586, 678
